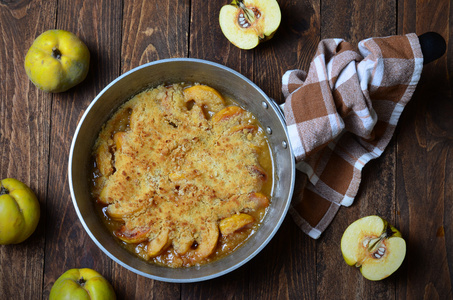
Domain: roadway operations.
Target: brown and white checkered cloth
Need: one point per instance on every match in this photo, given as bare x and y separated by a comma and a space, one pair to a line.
341, 115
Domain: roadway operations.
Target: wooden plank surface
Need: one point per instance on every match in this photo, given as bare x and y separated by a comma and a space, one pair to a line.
355, 22
424, 169
67, 245
410, 184
24, 140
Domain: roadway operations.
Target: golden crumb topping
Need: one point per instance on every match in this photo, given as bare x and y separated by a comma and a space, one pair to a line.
173, 162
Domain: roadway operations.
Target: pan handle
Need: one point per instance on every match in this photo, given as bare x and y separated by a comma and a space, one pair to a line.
433, 46
277, 107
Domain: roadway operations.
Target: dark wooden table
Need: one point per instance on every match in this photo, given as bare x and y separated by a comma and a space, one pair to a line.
411, 184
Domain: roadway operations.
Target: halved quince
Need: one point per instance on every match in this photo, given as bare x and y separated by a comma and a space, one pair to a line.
374, 246
246, 23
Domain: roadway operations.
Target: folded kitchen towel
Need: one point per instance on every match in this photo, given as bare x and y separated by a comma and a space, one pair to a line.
341, 114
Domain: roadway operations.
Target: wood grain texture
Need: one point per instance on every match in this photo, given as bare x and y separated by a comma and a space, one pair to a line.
411, 184
24, 139
153, 30
424, 164
282, 270
356, 21
67, 244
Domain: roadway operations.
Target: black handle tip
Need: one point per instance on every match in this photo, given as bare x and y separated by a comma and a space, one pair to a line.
433, 46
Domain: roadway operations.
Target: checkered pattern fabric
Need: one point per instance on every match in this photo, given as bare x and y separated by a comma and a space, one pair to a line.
341, 114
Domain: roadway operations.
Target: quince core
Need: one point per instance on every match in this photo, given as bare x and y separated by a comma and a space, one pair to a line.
246, 23
374, 246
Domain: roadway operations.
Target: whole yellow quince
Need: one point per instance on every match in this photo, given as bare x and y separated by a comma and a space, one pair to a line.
57, 61
19, 211
81, 284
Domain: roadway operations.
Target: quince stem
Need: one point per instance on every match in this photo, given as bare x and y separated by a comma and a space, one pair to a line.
3, 190
56, 53
81, 281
